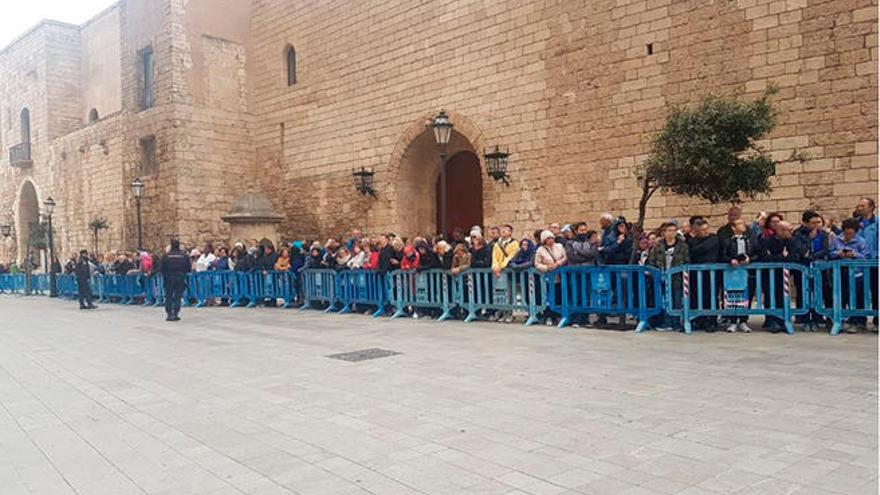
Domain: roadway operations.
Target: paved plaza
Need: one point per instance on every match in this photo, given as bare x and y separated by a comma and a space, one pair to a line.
246, 401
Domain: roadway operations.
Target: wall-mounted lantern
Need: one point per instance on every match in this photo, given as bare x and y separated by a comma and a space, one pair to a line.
363, 181
496, 165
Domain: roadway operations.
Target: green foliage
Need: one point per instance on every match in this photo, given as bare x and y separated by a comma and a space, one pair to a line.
96, 225
709, 150
38, 237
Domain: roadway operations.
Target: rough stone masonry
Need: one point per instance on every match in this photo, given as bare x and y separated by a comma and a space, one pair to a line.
573, 89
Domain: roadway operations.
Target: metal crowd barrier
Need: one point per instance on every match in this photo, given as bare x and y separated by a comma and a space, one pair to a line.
845, 289
320, 286
715, 290
425, 289
838, 290
478, 289
605, 290
362, 287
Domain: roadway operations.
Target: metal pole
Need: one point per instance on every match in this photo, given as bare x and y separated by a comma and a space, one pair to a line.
140, 228
53, 284
443, 193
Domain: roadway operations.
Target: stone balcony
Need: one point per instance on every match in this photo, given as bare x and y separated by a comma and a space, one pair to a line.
20, 155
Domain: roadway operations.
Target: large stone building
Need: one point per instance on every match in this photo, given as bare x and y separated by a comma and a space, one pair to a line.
242, 116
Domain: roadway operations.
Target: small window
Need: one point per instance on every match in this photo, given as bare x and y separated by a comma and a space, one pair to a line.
291, 65
649, 48
149, 163
93, 115
25, 125
145, 71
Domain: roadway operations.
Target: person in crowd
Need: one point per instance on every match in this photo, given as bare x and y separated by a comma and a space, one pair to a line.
206, 258
834, 224
851, 246
868, 231
548, 258
444, 254
461, 259
314, 259
70, 266
581, 251
671, 251
481, 257
358, 256
330, 252
503, 252
607, 231
343, 256
492, 238
740, 250
556, 229
390, 254
122, 265
282, 263
525, 257
372, 262
567, 233
353, 240
734, 213
764, 226
221, 262
458, 236
619, 252
145, 260
816, 240
174, 266
645, 247
782, 247
536, 235
268, 259
410, 259
83, 272
704, 250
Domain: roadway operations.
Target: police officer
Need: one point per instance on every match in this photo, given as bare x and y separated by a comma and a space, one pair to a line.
83, 271
174, 267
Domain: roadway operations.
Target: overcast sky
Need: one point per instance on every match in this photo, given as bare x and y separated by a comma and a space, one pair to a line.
19, 16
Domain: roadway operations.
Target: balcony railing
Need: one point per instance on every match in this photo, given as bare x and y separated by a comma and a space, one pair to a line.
20, 155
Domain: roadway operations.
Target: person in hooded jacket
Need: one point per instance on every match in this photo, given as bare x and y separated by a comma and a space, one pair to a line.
525, 258
704, 249
581, 251
444, 254
481, 257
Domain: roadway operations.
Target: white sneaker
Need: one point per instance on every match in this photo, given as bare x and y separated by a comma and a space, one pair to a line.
415, 316
742, 327
508, 319
731, 328
548, 322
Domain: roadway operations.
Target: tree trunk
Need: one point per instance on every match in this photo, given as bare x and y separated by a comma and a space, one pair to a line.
638, 228
95, 252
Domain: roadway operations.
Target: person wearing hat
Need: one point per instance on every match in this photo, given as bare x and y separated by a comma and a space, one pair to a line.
174, 267
548, 258
83, 272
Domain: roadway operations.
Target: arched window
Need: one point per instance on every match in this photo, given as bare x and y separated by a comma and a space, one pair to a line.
93, 115
290, 55
25, 125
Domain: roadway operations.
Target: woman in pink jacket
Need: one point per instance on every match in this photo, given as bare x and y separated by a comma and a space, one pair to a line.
549, 257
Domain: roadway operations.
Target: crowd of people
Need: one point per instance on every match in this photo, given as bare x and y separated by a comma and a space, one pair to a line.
770, 237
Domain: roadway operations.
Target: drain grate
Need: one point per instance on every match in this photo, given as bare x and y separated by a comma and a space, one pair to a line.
363, 355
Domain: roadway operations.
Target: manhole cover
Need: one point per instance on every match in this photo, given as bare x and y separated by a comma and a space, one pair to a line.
363, 355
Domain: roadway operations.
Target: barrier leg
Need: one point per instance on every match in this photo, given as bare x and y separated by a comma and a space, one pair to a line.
563, 322
346, 308
643, 325
837, 310
447, 314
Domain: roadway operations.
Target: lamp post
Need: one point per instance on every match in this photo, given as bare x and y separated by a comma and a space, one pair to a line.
442, 132
137, 189
49, 205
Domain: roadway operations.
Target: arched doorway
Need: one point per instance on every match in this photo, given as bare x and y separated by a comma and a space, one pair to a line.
28, 213
416, 198
464, 190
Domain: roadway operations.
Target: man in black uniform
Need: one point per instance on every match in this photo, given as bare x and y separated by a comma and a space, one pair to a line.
83, 272
174, 267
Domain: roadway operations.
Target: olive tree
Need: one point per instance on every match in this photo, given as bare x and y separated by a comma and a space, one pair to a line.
710, 151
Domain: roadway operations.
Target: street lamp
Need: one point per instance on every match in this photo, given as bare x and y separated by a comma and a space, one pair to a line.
442, 127
49, 207
363, 181
496, 165
137, 189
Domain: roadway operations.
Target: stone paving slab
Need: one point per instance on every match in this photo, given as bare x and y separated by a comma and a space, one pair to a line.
246, 401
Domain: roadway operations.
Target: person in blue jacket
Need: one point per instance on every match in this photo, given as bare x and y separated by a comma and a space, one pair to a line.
851, 246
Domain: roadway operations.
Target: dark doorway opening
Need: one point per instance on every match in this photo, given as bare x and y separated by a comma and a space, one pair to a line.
464, 182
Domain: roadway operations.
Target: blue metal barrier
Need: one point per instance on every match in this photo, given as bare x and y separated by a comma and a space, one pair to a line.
851, 285
769, 285
154, 290
284, 286
426, 289
478, 289
66, 285
40, 283
320, 286
12, 283
606, 290
362, 287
